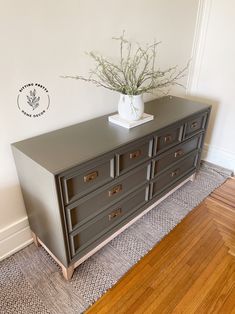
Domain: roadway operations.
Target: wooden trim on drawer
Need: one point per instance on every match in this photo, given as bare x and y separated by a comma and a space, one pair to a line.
89, 173
167, 134
87, 252
205, 118
179, 149
132, 152
124, 191
117, 211
172, 174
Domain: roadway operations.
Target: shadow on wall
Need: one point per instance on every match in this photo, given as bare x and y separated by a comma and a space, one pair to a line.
12, 205
214, 113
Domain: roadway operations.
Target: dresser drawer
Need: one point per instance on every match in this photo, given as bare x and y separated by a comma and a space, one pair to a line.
168, 138
96, 228
195, 125
132, 155
180, 169
87, 178
89, 206
166, 159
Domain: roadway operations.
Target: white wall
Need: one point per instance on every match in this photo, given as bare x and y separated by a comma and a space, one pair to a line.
213, 78
41, 40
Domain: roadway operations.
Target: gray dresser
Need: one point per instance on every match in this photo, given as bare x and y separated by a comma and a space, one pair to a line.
84, 184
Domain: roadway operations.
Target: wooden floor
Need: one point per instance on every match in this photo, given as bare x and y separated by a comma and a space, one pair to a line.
190, 271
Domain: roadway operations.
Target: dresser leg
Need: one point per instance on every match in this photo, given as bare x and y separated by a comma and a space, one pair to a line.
67, 272
35, 239
193, 177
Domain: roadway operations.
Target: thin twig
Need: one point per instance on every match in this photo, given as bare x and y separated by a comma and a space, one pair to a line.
135, 72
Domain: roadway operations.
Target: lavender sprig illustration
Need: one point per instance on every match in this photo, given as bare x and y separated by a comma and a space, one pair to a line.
33, 100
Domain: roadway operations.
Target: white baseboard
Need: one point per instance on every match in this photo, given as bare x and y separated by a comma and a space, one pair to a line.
218, 156
14, 238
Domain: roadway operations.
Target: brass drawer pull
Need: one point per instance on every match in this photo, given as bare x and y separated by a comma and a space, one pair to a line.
175, 173
115, 190
194, 125
168, 138
179, 153
115, 213
91, 176
135, 154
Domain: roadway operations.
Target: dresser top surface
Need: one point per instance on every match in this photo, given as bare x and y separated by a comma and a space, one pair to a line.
65, 148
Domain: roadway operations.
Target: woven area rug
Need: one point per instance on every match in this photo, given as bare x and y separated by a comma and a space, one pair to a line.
31, 282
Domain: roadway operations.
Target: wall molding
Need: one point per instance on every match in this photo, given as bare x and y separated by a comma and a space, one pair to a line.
199, 41
14, 237
219, 156
211, 153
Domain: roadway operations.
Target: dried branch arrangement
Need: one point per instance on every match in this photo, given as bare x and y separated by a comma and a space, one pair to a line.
135, 73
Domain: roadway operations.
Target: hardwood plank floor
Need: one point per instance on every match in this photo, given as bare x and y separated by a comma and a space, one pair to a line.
192, 270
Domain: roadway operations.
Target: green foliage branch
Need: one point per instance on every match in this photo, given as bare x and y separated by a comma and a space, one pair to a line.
135, 73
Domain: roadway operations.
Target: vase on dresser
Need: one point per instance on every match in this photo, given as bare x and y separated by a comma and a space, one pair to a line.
131, 107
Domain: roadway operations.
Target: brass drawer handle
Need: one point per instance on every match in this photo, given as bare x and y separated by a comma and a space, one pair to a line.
194, 125
135, 154
115, 190
168, 138
91, 176
179, 153
115, 213
175, 173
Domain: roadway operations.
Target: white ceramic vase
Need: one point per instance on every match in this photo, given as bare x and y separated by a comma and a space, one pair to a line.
131, 107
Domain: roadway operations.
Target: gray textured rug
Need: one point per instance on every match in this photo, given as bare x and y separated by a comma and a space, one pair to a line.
31, 282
